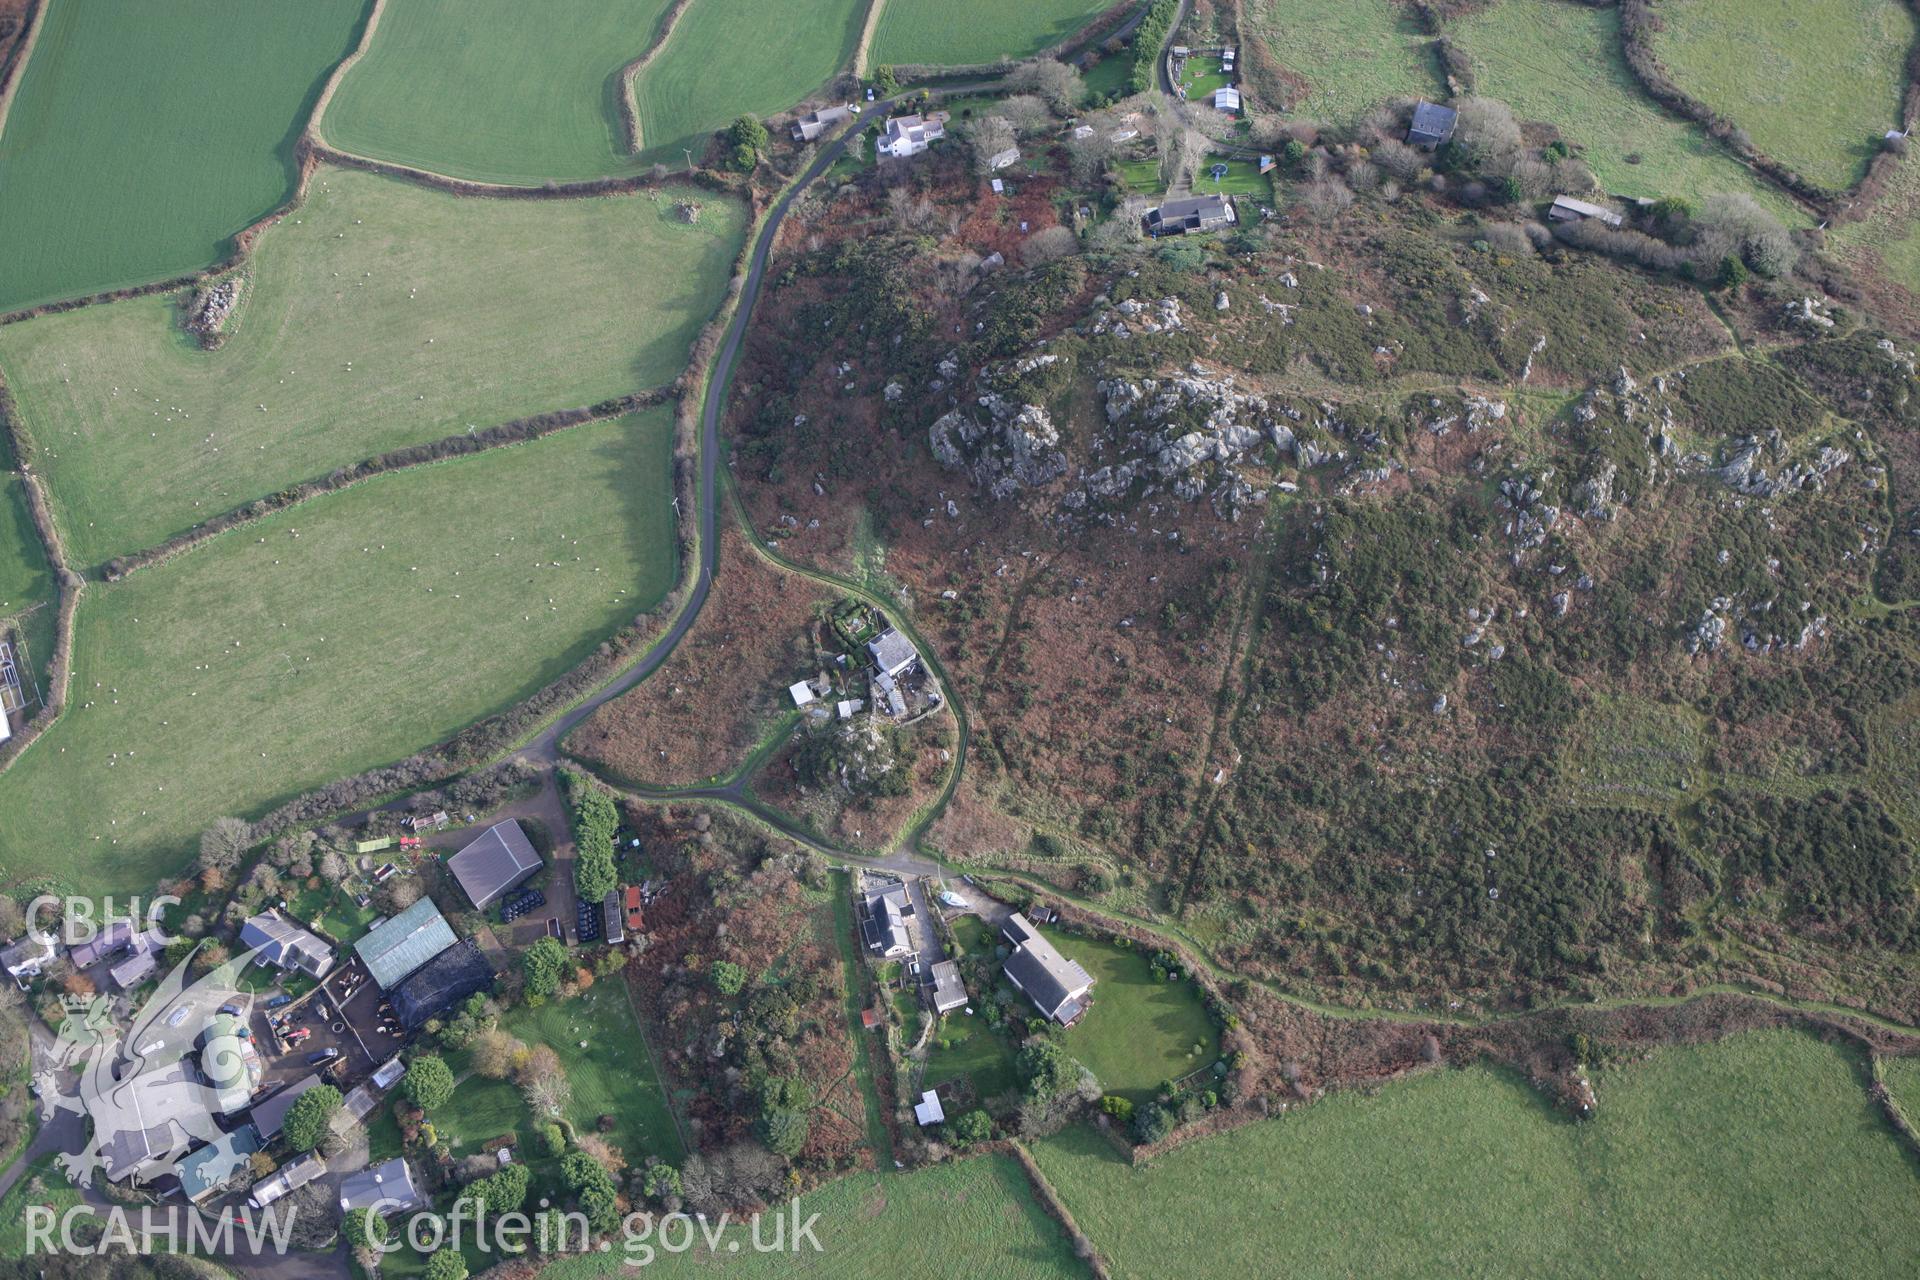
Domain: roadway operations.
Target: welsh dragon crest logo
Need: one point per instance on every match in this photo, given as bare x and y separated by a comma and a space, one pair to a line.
155, 1089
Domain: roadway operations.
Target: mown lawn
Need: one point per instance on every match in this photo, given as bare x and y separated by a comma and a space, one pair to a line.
726, 58
975, 1217
965, 1046
1141, 1031
142, 136
451, 313
1561, 63
1243, 179
1814, 82
325, 640
1352, 54
1757, 1156
495, 90
930, 32
608, 1065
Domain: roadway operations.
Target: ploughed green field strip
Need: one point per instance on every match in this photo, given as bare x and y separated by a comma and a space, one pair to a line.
333, 637
143, 136
975, 1217
929, 32
1761, 1155
1351, 53
1560, 62
382, 314
24, 577
495, 90
1815, 83
726, 58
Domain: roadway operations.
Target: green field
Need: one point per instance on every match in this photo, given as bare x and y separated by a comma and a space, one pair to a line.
1559, 62
42, 1184
339, 635
1815, 83
1903, 1080
495, 90
1758, 1156
976, 1217
26, 582
1352, 54
1140, 1032
1887, 233
142, 136
452, 312
710, 71
929, 33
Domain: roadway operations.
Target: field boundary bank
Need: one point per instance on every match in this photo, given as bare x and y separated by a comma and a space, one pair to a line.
15, 68
581, 189
340, 69
1873, 184
448, 448
1056, 1208
629, 75
862, 52
1638, 24
67, 585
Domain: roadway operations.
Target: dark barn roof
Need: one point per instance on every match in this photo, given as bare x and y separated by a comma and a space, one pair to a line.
440, 984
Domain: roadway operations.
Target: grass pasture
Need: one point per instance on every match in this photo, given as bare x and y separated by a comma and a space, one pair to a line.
94, 196
726, 58
1625, 751
972, 1217
1559, 62
1352, 54
929, 32
339, 635
1814, 82
1885, 240
495, 90
26, 580
451, 312
1696, 1164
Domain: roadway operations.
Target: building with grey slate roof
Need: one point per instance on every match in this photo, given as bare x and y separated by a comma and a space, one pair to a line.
1058, 987
394, 948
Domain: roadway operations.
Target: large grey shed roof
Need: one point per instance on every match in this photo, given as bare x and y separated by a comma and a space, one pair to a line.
395, 948
500, 858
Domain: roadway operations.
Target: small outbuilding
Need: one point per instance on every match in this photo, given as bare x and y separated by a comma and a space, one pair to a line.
1432, 125
927, 1111
387, 1187
1568, 209
285, 945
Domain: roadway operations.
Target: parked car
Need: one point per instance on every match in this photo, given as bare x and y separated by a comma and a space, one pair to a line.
179, 1015
325, 1055
230, 1009
280, 1001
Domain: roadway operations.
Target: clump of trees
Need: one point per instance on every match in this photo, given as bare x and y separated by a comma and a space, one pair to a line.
428, 1083
310, 1116
544, 965
596, 821
746, 141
